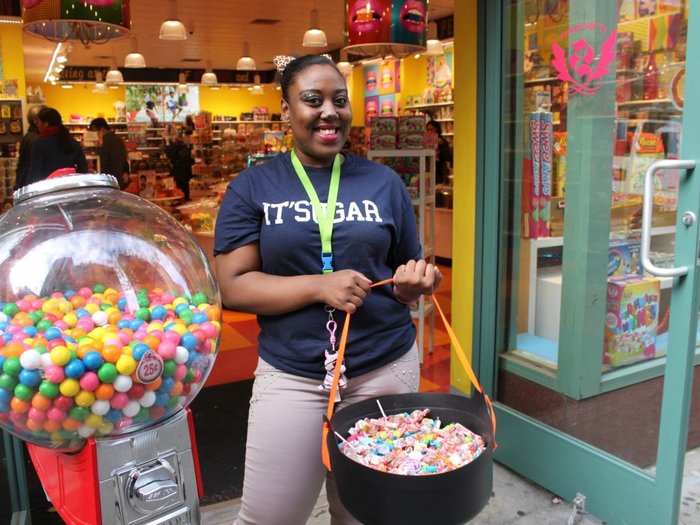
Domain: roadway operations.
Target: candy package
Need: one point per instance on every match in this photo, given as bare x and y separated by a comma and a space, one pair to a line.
411, 124
411, 444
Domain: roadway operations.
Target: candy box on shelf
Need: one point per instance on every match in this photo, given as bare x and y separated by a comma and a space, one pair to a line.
412, 141
383, 141
631, 320
411, 124
384, 125
624, 258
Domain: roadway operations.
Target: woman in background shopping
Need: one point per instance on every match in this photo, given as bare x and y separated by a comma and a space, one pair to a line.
55, 148
271, 260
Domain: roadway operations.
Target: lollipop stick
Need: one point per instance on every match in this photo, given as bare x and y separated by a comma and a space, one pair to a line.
344, 440
381, 409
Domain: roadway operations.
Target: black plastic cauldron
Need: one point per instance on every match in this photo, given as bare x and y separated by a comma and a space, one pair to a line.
452, 498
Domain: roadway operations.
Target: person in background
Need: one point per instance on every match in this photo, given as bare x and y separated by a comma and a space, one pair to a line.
181, 161
151, 112
444, 153
25, 148
189, 125
55, 148
113, 156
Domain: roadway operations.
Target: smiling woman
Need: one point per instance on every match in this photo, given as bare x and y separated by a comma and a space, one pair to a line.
297, 240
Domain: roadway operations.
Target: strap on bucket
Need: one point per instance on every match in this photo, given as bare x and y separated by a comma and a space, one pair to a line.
325, 455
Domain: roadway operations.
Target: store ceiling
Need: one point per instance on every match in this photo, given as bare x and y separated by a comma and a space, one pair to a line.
218, 29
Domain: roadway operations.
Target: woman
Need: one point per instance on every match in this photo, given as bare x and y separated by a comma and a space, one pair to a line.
269, 262
443, 151
181, 162
55, 148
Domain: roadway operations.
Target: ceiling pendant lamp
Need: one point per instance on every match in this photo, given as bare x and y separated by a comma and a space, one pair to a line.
172, 28
246, 62
209, 77
100, 86
434, 48
114, 76
314, 37
134, 60
182, 84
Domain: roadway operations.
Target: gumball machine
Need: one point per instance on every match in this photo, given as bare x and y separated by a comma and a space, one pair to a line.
109, 327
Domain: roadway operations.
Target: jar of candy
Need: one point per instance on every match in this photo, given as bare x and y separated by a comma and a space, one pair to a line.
109, 313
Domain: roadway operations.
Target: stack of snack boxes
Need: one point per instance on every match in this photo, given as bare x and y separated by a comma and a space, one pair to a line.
407, 132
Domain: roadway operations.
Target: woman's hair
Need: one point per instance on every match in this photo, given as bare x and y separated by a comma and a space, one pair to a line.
436, 125
150, 104
52, 118
296, 66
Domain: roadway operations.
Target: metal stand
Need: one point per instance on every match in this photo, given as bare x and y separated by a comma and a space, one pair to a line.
17, 479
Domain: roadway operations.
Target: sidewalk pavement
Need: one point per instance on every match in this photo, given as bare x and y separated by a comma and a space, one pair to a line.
516, 501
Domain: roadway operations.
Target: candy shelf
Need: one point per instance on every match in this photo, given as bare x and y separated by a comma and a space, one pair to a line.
424, 205
428, 106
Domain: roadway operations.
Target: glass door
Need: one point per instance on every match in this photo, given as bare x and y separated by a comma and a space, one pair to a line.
595, 324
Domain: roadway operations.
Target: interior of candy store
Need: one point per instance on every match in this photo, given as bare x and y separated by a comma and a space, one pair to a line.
218, 75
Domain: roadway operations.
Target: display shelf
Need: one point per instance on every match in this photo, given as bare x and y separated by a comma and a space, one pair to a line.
547, 280
666, 103
428, 106
424, 206
448, 134
444, 120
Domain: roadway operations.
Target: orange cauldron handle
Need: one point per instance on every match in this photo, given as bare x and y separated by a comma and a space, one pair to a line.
325, 455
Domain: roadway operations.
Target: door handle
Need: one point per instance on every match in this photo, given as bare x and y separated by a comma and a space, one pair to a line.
647, 209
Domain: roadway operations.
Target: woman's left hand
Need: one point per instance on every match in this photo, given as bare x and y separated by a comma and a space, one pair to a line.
414, 279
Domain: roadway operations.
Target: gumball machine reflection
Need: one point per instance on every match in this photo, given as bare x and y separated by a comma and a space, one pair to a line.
109, 327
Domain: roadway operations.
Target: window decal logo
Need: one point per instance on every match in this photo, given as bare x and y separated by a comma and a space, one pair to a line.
583, 68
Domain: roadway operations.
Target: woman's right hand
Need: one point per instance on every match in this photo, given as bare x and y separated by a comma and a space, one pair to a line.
344, 290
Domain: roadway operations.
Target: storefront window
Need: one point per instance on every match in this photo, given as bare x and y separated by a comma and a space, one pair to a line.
593, 95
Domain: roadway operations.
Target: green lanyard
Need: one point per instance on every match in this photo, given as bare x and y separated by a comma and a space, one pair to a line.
325, 220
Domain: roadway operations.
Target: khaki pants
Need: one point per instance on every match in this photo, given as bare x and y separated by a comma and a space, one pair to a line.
283, 469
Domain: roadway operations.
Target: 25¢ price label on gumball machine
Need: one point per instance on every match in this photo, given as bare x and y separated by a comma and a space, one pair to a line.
150, 368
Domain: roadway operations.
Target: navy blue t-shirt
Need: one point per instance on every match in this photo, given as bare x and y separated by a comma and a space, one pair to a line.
374, 232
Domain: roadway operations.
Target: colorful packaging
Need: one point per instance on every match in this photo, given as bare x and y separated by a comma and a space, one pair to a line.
624, 258
536, 156
383, 141
559, 151
411, 124
646, 7
546, 138
646, 148
384, 125
631, 320
411, 141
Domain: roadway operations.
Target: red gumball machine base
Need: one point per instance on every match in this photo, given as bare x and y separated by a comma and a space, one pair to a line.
139, 478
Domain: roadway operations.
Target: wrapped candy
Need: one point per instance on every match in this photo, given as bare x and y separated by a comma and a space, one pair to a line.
411, 444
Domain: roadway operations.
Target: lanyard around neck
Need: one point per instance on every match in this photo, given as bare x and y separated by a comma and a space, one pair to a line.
324, 217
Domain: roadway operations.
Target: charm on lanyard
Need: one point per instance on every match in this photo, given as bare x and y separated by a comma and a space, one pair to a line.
325, 219
332, 357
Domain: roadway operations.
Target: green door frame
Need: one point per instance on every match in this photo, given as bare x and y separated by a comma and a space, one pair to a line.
615, 490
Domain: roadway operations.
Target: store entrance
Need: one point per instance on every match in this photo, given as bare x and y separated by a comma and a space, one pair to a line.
596, 318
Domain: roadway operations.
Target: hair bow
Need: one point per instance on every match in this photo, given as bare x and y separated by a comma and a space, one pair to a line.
282, 61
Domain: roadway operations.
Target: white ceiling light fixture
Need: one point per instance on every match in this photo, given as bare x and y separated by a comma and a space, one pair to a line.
314, 37
67, 86
50, 75
182, 83
246, 62
61, 59
114, 76
345, 68
172, 28
209, 77
100, 86
134, 60
434, 48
